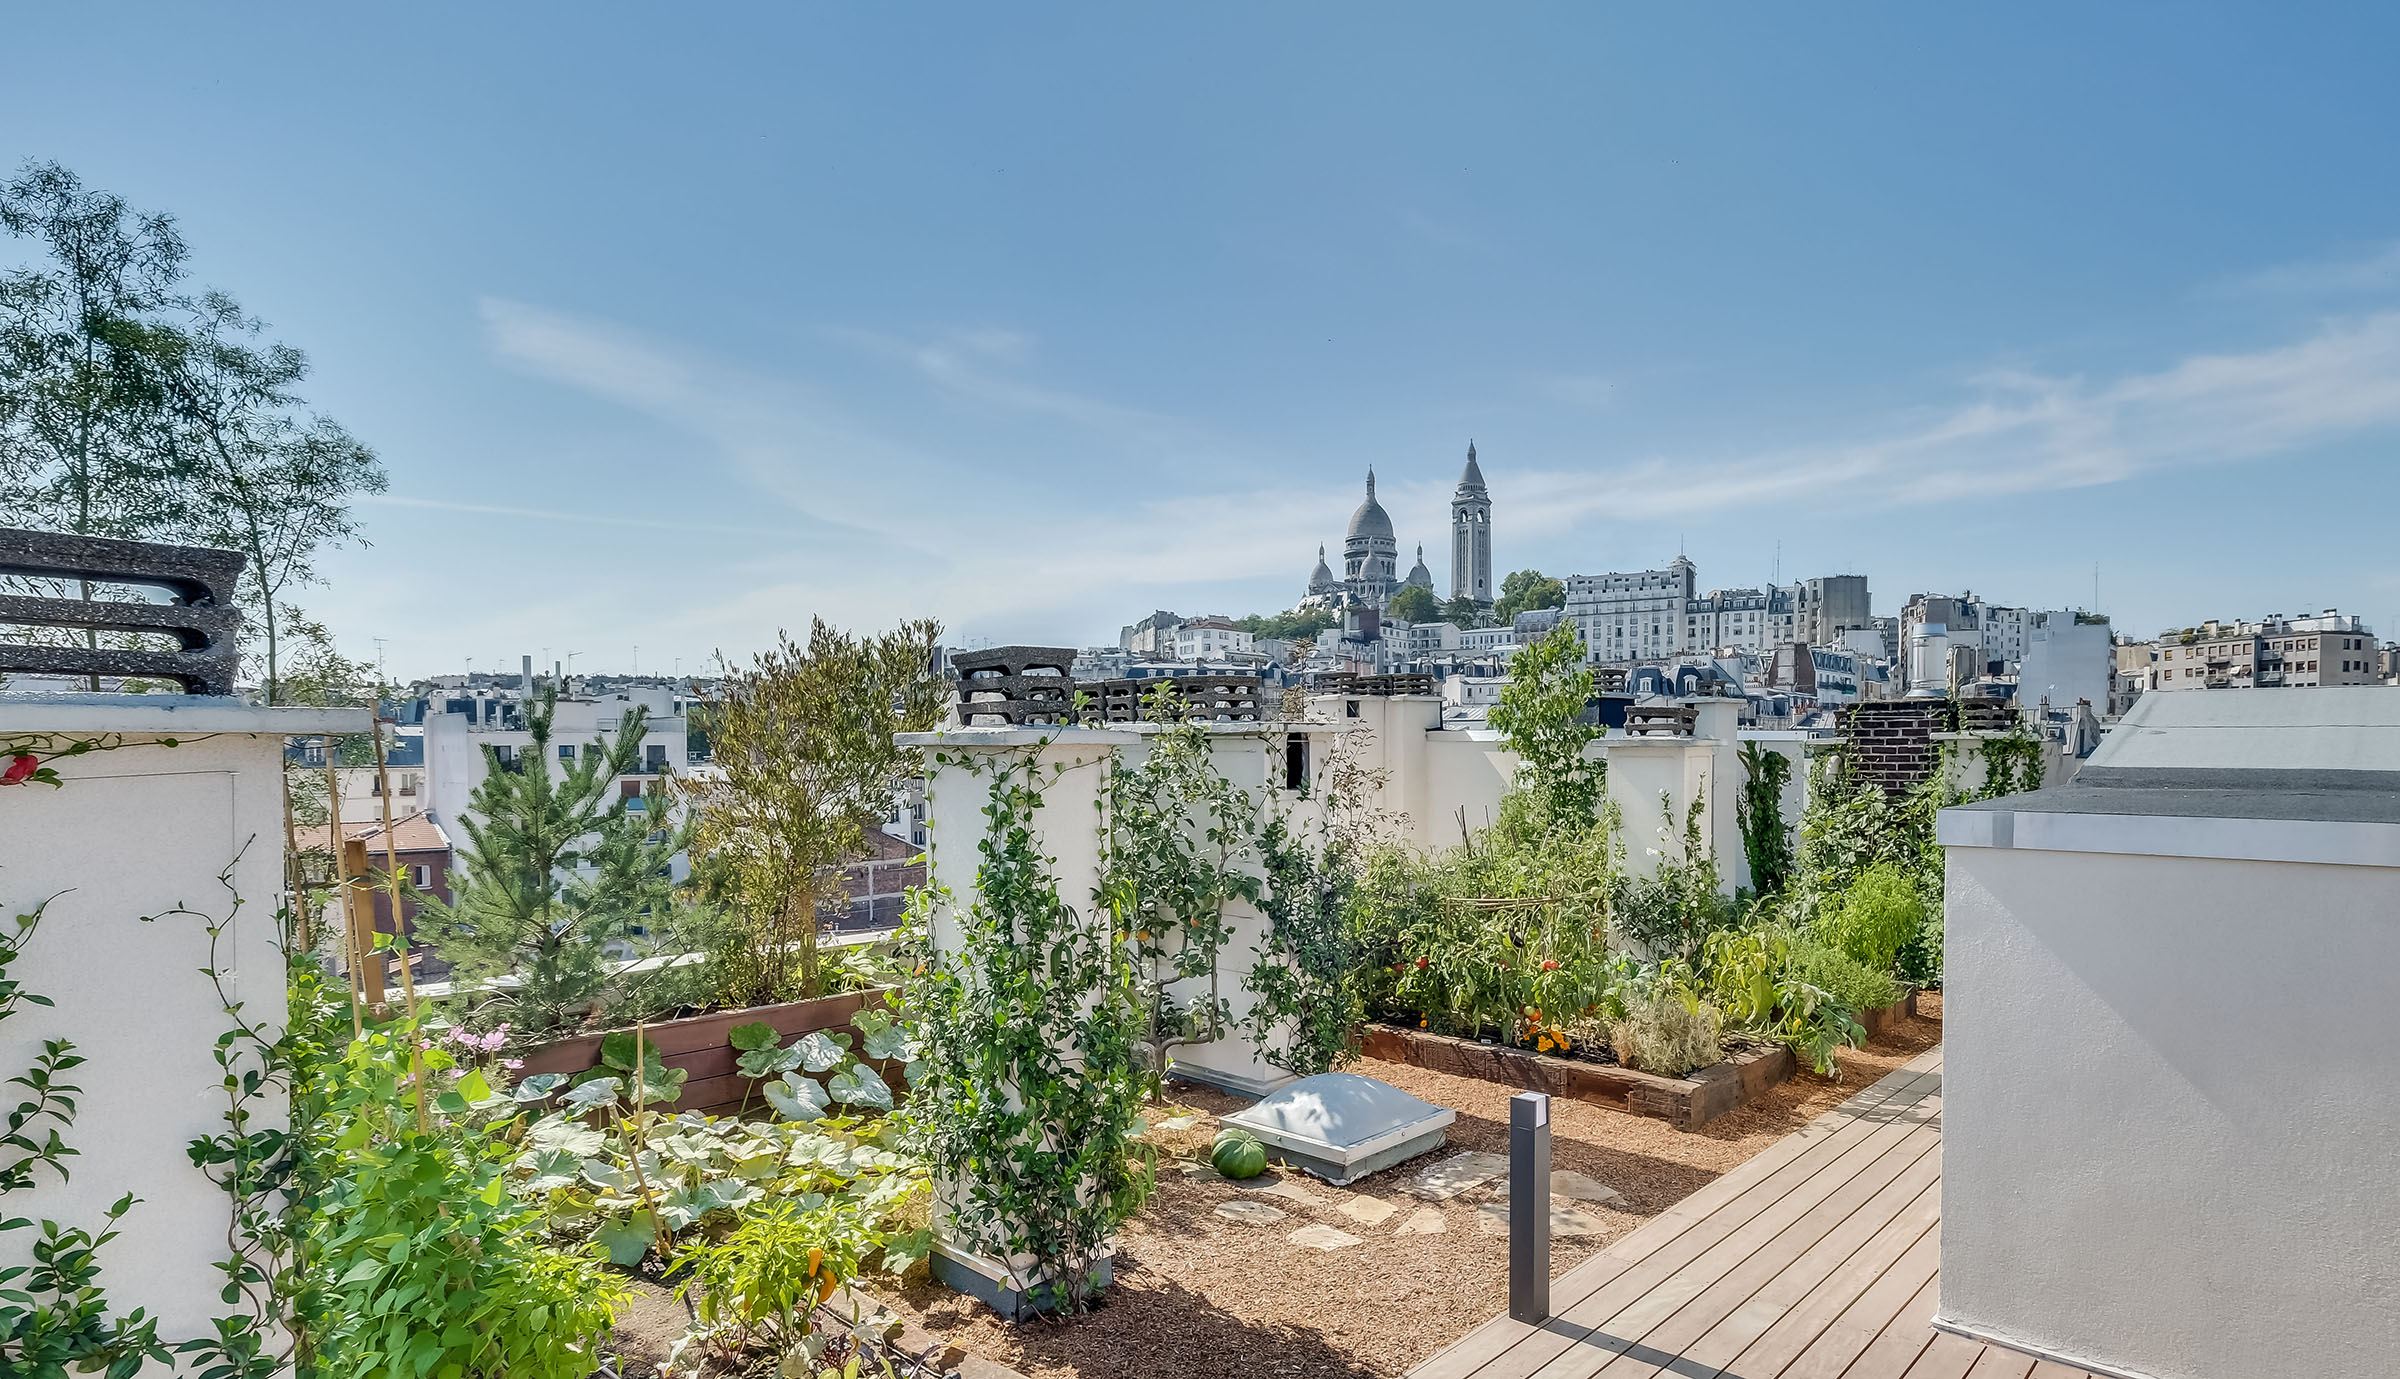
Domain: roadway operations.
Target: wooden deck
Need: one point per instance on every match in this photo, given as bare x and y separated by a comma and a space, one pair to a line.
1819, 1259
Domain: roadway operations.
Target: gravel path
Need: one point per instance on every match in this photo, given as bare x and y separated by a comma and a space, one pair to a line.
1202, 1295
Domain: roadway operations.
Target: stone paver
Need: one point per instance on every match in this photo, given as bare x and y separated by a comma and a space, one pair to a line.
1323, 1238
1249, 1213
1427, 1221
1368, 1211
1568, 1184
1268, 1185
1458, 1173
1566, 1223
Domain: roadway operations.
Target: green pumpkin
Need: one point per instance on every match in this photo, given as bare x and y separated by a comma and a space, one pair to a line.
1238, 1154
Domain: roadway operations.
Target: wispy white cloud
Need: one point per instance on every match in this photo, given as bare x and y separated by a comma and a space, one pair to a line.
591, 519
980, 545
2025, 432
2373, 272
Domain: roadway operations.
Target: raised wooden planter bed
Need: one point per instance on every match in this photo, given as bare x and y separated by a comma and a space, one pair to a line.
699, 1046
1686, 1102
1879, 1022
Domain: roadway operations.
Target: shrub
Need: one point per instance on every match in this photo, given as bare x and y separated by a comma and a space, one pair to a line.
422, 1261
1669, 1034
1847, 980
1879, 914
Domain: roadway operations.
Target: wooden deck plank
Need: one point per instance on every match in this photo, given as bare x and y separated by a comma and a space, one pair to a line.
1998, 1362
1748, 1189
1821, 1251
1807, 1251
1677, 1273
1946, 1357
1891, 1354
1863, 1320
1712, 1337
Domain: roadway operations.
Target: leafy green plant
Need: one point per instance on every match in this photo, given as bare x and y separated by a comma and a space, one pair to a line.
1672, 911
1766, 839
55, 1314
1034, 1065
1847, 980
758, 1288
1766, 982
1880, 912
1540, 717
424, 1263
1180, 846
1306, 997
1669, 1033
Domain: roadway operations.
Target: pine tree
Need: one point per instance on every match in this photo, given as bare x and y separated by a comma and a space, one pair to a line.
559, 873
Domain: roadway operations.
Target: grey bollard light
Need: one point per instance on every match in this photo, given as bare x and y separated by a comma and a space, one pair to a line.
1529, 1207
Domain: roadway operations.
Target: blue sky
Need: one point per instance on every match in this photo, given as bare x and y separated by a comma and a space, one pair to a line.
675, 328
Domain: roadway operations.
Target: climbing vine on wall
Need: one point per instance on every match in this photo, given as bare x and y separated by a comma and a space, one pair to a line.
1179, 844
1766, 839
1308, 1005
1034, 1067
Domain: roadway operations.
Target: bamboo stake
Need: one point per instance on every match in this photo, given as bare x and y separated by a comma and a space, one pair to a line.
302, 934
341, 880
391, 886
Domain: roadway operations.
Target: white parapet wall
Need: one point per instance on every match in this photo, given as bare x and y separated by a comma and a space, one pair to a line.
141, 829
1074, 764
2170, 1103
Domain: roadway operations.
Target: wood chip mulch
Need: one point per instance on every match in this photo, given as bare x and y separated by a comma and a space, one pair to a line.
1202, 1297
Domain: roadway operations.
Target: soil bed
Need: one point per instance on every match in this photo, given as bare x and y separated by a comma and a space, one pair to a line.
1199, 1296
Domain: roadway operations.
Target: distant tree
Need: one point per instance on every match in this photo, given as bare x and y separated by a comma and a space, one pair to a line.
1299, 624
1416, 603
82, 441
802, 743
129, 408
1540, 718
1463, 611
1527, 590
558, 870
259, 477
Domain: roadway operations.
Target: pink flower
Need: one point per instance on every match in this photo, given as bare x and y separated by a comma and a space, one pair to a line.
512, 1064
20, 769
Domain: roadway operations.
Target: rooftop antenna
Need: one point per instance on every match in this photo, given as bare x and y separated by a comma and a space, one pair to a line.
379, 675
637, 658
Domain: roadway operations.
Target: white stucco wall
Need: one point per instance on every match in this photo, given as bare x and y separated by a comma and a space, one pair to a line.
138, 831
1074, 766
2172, 1120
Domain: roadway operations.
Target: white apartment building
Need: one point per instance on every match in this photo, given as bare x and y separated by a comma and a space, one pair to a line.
2068, 658
458, 728
1210, 639
1650, 616
1750, 621
1633, 617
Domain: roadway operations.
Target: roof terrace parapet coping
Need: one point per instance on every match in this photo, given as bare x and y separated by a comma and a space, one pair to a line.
170, 714
1115, 734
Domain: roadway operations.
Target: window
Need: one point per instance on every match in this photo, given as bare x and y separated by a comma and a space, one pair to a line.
654, 756
1295, 761
1350, 708
566, 751
420, 876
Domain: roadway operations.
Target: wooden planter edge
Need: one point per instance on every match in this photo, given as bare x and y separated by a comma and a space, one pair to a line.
1686, 1102
700, 1046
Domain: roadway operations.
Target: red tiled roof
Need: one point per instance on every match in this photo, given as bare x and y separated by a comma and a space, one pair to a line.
410, 833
